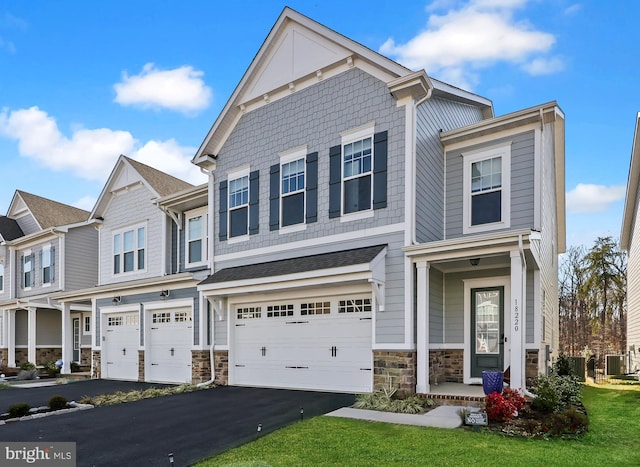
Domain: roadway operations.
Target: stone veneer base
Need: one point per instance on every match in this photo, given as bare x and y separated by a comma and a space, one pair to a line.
200, 366
395, 369
221, 362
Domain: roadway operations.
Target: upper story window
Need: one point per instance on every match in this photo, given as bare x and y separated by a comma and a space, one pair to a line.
358, 173
27, 276
293, 194
87, 324
487, 187
1, 275
47, 264
239, 205
196, 238
129, 250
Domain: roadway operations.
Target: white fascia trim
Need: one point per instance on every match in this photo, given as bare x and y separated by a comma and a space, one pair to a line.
105, 310
390, 347
163, 305
306, 279
326, 240
459, 346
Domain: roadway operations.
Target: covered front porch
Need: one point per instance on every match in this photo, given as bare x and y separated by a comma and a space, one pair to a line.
476, 303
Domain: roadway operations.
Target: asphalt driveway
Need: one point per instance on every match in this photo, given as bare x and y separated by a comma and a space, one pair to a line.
192, 426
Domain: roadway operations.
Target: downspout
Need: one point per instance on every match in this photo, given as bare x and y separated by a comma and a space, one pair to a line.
210, 237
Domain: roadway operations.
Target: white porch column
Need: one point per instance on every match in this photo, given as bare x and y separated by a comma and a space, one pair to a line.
516, 321
11, 338
67, 339
31, 335
422, 321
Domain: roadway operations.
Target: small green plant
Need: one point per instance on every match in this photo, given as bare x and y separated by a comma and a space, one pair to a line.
51, 368
58, 403
562, 366
19, 410
28, 366
554, 393
119, 397
568, 421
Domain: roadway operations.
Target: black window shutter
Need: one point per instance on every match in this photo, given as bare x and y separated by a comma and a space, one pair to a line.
312, 187
380, 170
254, 198
274, 197
22, 271
40, 280
53, 263
33, 269
335, 179
223, 210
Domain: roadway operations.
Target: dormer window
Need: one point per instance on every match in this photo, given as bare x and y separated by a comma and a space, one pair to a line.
129, 250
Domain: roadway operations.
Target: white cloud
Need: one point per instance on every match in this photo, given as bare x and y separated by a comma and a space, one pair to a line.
86, 202
544, 66
572, 9
460, 41
7, 45
91, 153
181, 89
588, 198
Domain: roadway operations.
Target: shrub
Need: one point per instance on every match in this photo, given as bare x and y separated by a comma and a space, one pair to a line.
502, 408
554, 393
58, 403
562, 366
27, 366
51, 368
19, 410
568, 421
387, 401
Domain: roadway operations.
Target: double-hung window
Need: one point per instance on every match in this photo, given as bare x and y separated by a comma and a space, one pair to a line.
27, 266
239, 206
129, 250
487, 186
357, 175
46, 264
196, 238
292, 188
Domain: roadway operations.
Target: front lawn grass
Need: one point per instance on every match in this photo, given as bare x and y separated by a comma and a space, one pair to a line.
612, 440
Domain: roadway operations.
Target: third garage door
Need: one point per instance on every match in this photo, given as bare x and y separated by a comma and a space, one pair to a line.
318, 344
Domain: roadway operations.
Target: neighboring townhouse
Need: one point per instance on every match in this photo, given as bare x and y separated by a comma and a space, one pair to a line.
373, 226
152, 253
630, 242
46, 248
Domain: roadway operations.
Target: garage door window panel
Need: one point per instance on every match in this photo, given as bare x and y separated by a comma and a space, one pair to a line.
249, 313
358, 305
315, 308
276, 311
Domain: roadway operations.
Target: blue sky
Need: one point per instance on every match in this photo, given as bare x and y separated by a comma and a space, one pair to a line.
82, 82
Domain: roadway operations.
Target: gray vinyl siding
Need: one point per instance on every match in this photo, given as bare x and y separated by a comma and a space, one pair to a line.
315, 117
7, 276
144, 298
81, 258
436, 306
433, 116
38, 288
22, 328
48, 327
219, 330
129, 209
28, 224
522, 184
454, 302
633, 291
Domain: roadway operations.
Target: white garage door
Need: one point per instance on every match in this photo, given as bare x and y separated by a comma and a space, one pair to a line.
120, 346
321, 344
168, 349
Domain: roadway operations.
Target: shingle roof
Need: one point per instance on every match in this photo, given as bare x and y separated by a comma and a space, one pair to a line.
296, 265
51, 213
163, 183
9, 228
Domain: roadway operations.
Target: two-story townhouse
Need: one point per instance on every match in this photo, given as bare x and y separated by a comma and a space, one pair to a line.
152, 253
374, 225
630, 244
47, 248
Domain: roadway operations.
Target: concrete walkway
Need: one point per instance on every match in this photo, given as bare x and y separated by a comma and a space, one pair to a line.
443, 416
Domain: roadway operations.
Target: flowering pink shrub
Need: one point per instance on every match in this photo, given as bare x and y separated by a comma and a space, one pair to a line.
503, 407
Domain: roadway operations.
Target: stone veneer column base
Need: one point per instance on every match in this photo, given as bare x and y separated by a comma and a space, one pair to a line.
531, 364
446, 366
141, 365
96, 369
221, 362
4, 357
200, 366
395, 369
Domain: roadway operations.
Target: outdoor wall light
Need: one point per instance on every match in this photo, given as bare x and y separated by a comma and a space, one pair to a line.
117, 299
474, 261
164, 294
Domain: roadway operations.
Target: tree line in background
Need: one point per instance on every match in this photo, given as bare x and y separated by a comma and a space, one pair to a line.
592, 296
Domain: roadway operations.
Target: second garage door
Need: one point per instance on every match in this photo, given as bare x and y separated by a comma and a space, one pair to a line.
317, 344
121, 340
168, 349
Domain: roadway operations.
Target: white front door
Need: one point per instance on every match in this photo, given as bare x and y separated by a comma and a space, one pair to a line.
120, 346
318, 344
168, 349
